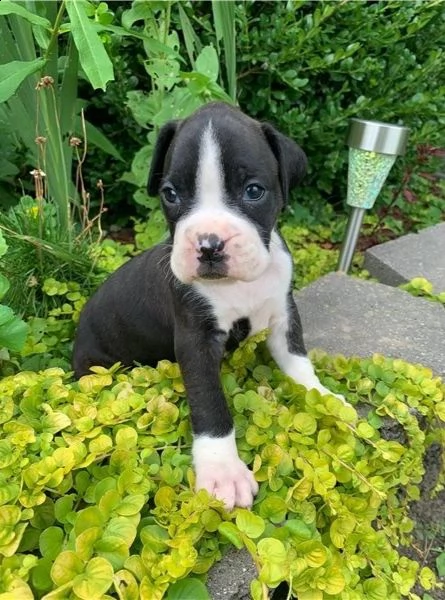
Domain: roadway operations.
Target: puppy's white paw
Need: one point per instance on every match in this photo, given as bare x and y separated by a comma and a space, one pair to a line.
301, 369
221, 472
232, 483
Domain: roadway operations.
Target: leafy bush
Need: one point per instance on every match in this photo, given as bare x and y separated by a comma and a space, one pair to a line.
309, 67
39, 249
419, 200
96, 498
38, 96
313, 256
13, 331
174, 91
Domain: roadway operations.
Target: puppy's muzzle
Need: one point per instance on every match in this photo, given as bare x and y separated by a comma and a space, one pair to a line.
211, 244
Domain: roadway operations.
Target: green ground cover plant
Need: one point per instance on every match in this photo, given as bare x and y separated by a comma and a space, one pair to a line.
419, 286
96, 498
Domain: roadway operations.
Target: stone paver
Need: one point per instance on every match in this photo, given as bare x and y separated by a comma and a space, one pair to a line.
414, 255
349, 316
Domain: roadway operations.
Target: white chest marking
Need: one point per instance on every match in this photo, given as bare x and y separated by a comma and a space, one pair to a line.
259, 300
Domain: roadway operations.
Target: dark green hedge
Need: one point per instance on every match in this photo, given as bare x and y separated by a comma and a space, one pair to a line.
310, 66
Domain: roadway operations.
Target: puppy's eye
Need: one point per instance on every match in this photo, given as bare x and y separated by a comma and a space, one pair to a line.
253, 192
170, 195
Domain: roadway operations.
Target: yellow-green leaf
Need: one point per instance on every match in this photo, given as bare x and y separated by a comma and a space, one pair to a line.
250, 524
272, 550
375, 589
66, 566
305, 424
97, 578
341, 528
365, 430
313, 552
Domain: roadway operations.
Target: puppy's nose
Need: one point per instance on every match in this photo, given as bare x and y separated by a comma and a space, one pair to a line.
210, 247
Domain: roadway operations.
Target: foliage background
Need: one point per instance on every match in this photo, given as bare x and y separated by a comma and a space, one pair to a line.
308, 67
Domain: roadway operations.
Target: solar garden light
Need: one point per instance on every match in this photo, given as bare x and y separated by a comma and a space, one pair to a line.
373, 149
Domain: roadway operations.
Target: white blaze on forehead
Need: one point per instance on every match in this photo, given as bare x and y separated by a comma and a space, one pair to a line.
209, 176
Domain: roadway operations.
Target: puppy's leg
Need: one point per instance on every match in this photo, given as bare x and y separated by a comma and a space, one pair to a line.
218, 467
286, 345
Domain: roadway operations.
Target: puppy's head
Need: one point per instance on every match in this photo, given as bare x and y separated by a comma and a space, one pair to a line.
223, 179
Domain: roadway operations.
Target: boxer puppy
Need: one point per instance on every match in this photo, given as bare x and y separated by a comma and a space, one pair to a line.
223, 274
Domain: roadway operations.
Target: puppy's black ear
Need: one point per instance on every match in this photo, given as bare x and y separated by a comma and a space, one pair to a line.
163, 142
292, 161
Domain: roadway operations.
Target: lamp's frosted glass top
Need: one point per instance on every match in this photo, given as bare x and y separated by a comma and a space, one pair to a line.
367, 172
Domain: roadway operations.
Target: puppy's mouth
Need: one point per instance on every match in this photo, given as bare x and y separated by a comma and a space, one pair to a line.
212, 270
212, 276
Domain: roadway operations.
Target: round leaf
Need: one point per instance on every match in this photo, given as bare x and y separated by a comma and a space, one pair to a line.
95, 580
375, 589
313, 552
66, 567
51, 541
250, 524
273, 508
272, 550
231, 532
305, 424
185, 589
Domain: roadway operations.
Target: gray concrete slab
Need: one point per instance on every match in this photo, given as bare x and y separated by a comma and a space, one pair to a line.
349, 316
414, 255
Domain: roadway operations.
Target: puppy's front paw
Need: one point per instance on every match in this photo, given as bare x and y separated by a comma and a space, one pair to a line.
221, 472
229, 481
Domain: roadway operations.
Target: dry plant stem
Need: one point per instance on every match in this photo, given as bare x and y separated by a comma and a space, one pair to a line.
41, 143
426, 550
97, 219
85, 208
39, 178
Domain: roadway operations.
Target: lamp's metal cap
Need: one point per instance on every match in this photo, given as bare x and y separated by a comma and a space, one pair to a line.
377, 137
